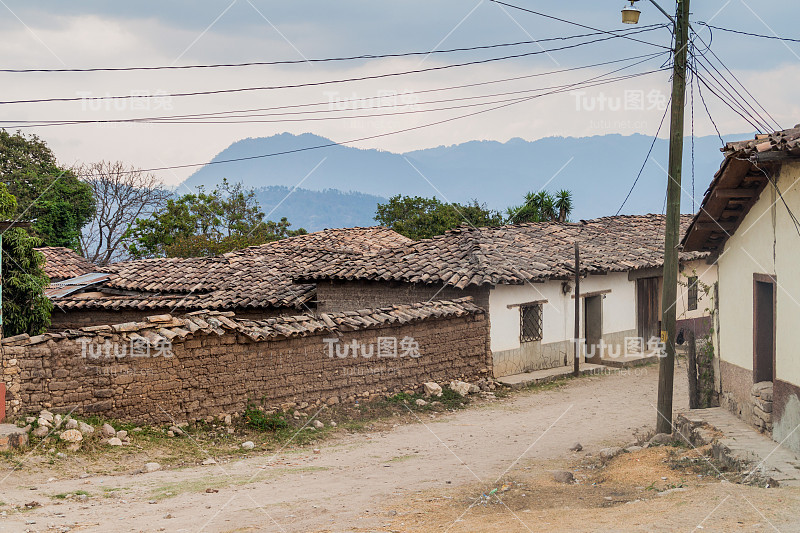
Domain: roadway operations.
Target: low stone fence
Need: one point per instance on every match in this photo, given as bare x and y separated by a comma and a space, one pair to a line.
175, 369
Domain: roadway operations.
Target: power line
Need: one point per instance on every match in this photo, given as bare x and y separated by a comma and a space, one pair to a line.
584, 83
311, 84
702, 80
216, 118
565, 21
737, 80
734, 97
355, 100
647, 157
333, 59
773, 37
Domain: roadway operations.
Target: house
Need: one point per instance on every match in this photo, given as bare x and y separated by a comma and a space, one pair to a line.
255, 282
523, 276
748, 221
62, 263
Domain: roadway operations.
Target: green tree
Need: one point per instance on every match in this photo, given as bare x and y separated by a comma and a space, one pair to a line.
25, 307
203, 224
542, 207
59, 203
421, 218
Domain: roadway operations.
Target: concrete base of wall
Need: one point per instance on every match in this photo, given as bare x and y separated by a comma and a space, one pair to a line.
737, 382
532, 356
786, 414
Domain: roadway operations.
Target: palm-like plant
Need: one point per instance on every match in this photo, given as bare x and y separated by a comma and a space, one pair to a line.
563, 202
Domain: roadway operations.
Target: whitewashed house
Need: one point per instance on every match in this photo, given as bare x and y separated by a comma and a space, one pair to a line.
749, 222
523, 275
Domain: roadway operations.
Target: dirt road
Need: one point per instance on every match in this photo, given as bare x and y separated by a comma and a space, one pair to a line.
363, 482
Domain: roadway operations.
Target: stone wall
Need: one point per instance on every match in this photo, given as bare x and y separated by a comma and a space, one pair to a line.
220, 368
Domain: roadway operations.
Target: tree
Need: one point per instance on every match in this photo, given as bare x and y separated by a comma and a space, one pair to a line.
25, 307
123, 195
54, 197
203, 224
421, 218
542, 207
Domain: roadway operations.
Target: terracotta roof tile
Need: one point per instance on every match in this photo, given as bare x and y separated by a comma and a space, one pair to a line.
512, 254
255, 277
63, 263
180, 328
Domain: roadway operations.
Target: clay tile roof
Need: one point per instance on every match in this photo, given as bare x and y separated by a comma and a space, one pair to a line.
513, 254
737, 186
63, 263
180, 328
255, 277
779, 141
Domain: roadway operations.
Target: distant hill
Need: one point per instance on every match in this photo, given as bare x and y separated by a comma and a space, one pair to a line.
317, 210
599, 170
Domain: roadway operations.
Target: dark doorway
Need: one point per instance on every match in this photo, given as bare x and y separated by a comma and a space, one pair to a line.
647, 309
763, 328
593, 323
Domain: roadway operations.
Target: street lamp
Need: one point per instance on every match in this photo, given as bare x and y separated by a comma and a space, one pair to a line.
630, 14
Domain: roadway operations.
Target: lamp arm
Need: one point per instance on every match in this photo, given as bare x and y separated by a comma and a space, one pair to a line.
662, 10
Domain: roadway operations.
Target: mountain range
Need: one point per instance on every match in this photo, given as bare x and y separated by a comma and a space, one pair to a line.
340, 186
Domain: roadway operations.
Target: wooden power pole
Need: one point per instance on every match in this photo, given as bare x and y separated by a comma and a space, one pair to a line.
666, 369
577, 362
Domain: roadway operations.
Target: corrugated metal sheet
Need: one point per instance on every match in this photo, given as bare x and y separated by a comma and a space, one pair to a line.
68, 286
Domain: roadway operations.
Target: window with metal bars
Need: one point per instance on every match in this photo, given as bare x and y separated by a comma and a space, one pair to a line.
530, 317
692, 296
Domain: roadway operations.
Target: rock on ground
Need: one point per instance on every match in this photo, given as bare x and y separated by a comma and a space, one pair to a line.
432, 389
460, 387
562, 476
85, 428
576, 447
71, 435
114, 441
661, 439
152, 467
249, 445
108, 431
610, 453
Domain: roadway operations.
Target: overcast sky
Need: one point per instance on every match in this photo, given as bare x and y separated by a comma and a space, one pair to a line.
57, 34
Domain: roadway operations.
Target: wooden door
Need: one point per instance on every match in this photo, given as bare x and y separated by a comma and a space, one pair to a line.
647, 311
763, 329
593, 324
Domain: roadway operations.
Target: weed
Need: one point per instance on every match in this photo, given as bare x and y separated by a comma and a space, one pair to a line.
257, 419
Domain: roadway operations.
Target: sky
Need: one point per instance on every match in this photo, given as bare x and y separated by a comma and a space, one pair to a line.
95, 34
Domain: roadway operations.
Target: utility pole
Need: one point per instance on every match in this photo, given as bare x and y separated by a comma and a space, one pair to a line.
577, 363
666, 368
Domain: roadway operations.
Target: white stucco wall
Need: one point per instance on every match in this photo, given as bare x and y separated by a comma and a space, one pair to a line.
619, 309
787, 265
750, 250
707, 274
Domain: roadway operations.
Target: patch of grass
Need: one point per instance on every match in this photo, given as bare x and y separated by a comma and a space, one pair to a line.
65, 495
255, 418
401, 458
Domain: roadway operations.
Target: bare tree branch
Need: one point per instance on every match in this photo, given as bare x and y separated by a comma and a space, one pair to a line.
123, 194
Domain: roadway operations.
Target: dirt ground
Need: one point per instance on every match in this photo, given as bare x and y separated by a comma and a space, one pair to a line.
486, 468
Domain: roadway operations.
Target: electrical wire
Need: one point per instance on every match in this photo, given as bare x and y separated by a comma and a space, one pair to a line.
354, 100
192, 119
647, 157
774, 37
710, 50
731, 101
584, 83
703, 100
565, 21
333, 59
310, 84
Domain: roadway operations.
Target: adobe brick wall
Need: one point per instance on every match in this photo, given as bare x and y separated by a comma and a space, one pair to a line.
212, 374
338, 295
